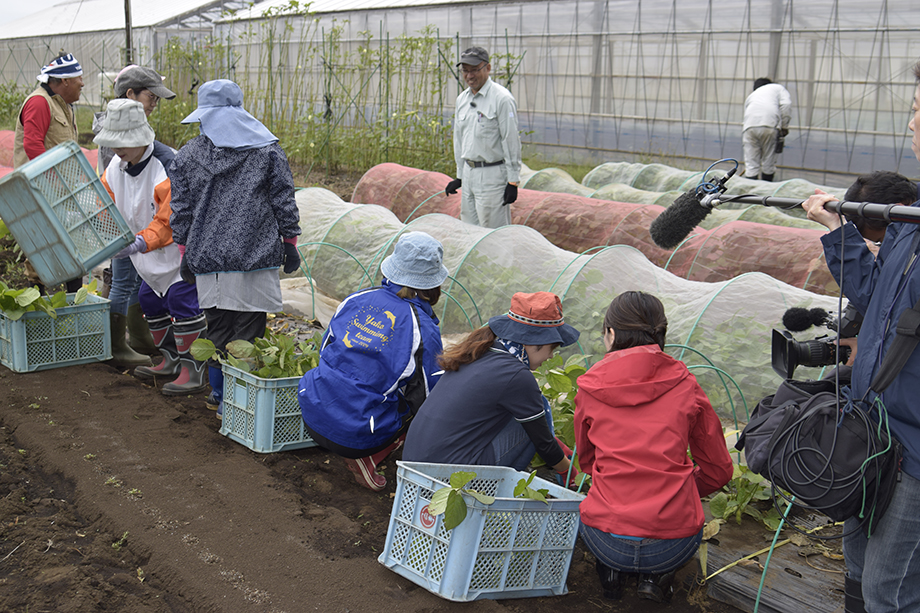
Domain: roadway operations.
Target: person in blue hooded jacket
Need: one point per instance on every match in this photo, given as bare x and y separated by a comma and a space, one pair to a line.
883, 572
378, 361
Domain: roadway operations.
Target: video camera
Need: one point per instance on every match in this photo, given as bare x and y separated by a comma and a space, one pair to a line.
787, 353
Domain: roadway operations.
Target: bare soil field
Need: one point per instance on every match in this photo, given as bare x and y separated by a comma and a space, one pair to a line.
116, 498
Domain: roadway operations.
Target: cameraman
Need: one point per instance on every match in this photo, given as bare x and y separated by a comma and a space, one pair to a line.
880, 187
888, 564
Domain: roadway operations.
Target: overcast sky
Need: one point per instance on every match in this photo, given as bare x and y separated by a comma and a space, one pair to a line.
11, 10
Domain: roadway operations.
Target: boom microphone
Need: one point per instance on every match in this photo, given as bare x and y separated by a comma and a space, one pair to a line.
678, 220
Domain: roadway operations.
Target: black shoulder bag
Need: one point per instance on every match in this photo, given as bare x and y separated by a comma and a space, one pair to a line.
826, 451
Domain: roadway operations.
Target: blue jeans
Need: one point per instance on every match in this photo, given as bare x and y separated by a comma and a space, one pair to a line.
888, 564
125, 284
512, 447
656, 556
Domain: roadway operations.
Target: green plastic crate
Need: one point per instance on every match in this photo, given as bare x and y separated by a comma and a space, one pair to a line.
80, 334
61, 215
263, 414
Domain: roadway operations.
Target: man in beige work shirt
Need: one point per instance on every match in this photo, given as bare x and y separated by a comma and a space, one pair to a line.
487, 145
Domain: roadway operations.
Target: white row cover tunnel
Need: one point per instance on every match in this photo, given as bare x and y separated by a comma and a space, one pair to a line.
727, 324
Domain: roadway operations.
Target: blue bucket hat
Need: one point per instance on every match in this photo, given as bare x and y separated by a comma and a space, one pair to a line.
416, 262
534, 319
224, 120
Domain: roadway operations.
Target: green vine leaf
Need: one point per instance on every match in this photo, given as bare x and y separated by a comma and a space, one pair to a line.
523, 490
449, 500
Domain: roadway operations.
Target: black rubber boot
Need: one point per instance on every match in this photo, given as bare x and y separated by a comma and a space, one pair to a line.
852, 596
767, 177
659, 588
122, 354
612, 581
139, 337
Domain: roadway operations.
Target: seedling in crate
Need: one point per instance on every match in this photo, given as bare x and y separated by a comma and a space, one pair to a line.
449, 500
17, 302
274, 356
523, 490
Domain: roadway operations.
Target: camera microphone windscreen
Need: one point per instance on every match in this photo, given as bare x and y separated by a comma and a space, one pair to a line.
798, 319
678, 220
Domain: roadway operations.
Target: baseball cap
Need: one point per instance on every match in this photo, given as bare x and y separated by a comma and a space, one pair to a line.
474, 56
141, 77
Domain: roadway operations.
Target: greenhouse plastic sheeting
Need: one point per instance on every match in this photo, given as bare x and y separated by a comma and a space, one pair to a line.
729, 322
575, 223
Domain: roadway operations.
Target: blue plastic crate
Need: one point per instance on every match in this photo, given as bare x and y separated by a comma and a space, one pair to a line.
513, 548
262, 414
79, 334
61, 215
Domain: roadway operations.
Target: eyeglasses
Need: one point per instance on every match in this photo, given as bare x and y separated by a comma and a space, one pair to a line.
152, 96
473, 70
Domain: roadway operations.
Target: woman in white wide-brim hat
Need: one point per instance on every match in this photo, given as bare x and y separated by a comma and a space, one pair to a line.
138, 182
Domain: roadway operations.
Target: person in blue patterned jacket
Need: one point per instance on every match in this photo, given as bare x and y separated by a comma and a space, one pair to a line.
234, 218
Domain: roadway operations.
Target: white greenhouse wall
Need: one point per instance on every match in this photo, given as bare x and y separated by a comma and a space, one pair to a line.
605, 78
628, 79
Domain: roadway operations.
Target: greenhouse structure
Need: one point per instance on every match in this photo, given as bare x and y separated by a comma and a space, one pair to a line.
595, 80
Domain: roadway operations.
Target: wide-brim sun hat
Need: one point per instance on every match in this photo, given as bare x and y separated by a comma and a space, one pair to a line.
416, 262
125, 125
224, 120
534, 319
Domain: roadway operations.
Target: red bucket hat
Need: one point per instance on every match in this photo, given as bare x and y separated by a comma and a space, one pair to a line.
534, 319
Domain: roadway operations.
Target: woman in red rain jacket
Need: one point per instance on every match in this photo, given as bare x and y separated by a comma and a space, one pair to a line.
637, 413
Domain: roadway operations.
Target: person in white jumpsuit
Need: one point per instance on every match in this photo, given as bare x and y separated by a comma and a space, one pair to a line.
766, 119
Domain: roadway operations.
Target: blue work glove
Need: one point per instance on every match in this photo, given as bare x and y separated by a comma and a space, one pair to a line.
291, 258
185, 272
453, 186
138, 246
510, 194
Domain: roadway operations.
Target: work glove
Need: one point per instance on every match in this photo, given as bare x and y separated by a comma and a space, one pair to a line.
187, 275
575, 478
291, 258
138, 246
510, 194
453, 186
